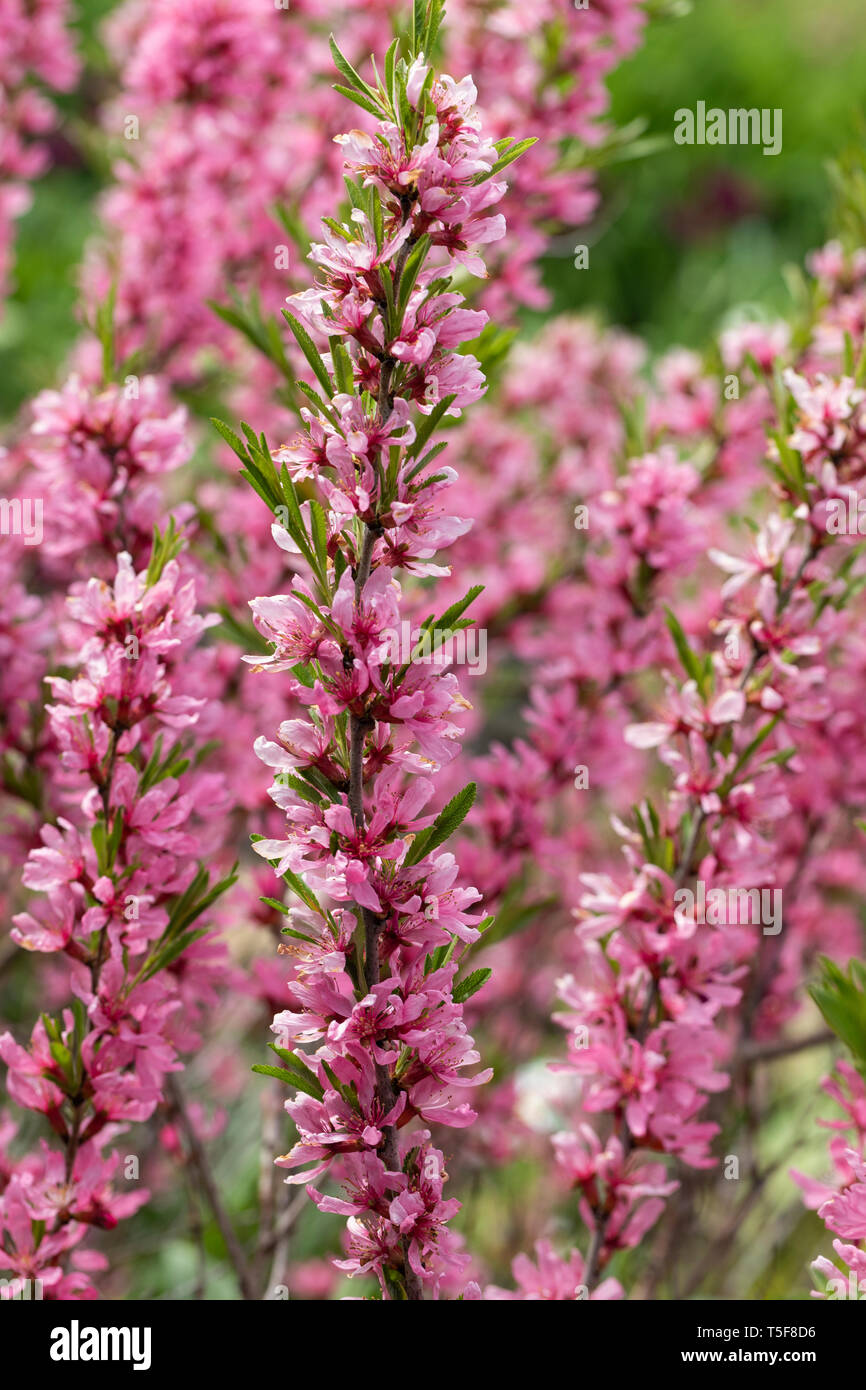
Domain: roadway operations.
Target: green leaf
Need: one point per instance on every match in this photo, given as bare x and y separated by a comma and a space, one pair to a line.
338, 229
98, 840
170, 953
354, 78
105, 331
411, 270
311, 352
79, 1015
290, 220
233, 441
435, 11
51, 1026
343, 370
366, 103
297, 530
62, 1056
513, 916
749, 752
416, 31
447, 821
268, 494
450, 616
318, 404
166, 546
425, 91
296, 884
265, 1069
841, 997
319, 534
262, 482
392, 323
464, 989
317, 779
441, 956
347, 1092
304, 674
377, 220
243, 634
390, 59
290, 1078
305, 1079
508, 157
296, 935
63, 1083
689, 659
262, 333
185, 913
305, 791
428, 458
275, 904
427, 425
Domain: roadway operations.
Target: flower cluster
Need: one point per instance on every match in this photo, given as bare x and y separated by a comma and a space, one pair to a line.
98, 452
121, 886
656, 971
374, 1036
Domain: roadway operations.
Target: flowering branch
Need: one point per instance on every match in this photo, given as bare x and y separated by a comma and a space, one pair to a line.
374, 987
122, 889
642, 1026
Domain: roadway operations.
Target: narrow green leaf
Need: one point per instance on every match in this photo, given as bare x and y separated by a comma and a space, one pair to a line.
447, 821
508, 157
428, 423
690, 663
311, 352
366, 103
354, 78
170, 953
291, 1078
465, 989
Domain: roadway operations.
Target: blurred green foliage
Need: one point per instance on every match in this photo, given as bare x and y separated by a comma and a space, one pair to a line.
692, 231
39, 322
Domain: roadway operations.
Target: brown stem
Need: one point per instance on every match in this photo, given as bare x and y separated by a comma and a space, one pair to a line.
73, 1139
590, 1273
201, 1164
752, 1052
284, 1223
269, 1185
